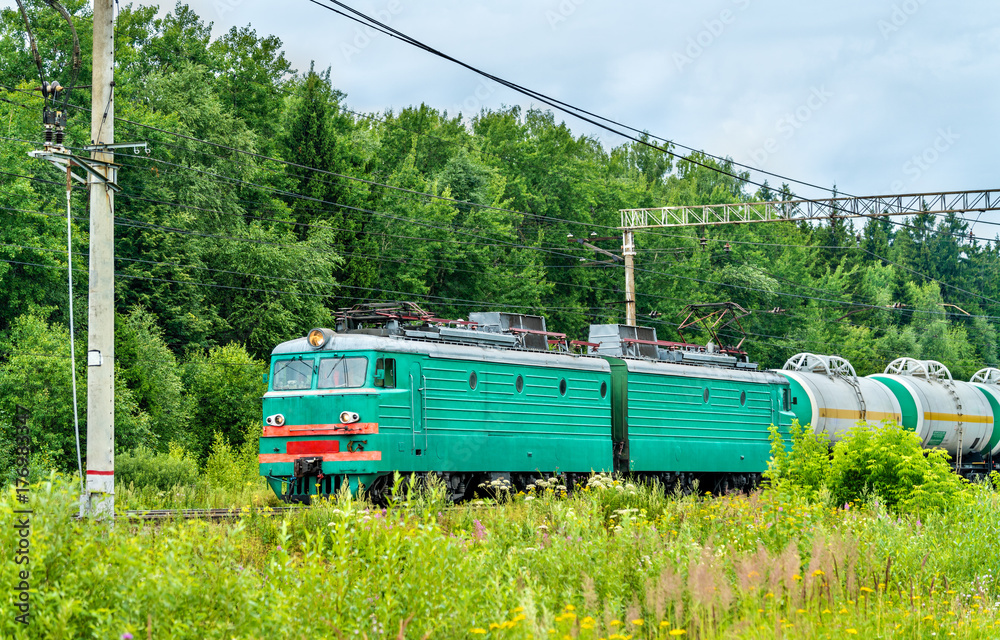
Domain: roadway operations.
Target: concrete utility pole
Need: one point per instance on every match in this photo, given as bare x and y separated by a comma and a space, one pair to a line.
628, 250
100, 497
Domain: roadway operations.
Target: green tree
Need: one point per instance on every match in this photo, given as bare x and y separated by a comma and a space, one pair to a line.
150, 371
228, 384
35, 373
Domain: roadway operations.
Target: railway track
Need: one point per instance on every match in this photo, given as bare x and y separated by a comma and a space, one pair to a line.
196, 514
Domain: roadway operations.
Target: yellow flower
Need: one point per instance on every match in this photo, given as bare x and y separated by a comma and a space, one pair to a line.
677, 632
570, 607
842, 611
796, 577
853, 632
664, 624
517, 610
518, 617
818, 572
477, 630
587, 620
867, 590
800, 611
928, 617
827, 611
615, 623
637, 623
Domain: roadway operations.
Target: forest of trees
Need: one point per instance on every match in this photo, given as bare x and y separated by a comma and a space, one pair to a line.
266, 203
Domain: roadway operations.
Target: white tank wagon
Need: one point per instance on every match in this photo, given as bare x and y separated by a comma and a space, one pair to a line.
945, 413
829, 396
988, 381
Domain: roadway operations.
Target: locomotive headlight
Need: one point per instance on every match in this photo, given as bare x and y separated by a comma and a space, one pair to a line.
318, 338
347, 417
277, 420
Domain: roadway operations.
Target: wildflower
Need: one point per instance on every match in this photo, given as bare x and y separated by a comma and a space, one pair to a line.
827, 611
867, 590
818, 572
517, 610
126, 636
615, 623
853, 632
664, 624
677, 632
480, 533
796, 577
569, 607
800, 611
477, 630
637, 622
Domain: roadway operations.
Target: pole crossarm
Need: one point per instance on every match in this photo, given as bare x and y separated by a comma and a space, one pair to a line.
817, 209
65, 161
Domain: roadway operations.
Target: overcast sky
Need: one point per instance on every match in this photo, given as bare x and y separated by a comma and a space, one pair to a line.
877, 96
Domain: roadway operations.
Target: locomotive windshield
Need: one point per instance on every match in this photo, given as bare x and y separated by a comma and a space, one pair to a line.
290, 375
342, 372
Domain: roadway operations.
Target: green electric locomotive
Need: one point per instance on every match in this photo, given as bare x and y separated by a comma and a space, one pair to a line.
500, 398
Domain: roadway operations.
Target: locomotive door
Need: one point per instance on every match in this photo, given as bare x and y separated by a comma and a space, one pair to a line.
417, 409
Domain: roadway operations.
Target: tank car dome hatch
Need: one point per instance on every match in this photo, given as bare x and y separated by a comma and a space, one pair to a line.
988, 381
946, 413
828, 395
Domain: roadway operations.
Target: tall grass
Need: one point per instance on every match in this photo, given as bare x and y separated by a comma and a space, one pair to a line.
612, 560
230, 478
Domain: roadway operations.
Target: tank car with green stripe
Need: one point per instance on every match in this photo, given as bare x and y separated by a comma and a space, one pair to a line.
483, 404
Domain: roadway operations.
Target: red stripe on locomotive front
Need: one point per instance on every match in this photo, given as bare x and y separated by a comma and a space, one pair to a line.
313, 446
358, 428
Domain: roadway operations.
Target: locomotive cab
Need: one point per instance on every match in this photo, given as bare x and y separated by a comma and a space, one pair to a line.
321, 416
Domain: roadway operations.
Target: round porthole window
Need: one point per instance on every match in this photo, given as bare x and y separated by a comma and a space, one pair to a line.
704, 395
562, 386
743, 398
519, 384
604, 389
473, 380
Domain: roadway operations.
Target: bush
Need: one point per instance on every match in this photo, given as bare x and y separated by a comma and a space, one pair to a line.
234, 467
805, 467
163, 471
887, 461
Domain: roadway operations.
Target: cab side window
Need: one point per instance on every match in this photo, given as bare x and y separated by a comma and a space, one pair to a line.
385, 373
786, 399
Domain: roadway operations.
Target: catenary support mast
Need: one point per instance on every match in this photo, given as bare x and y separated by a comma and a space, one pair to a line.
99, 499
